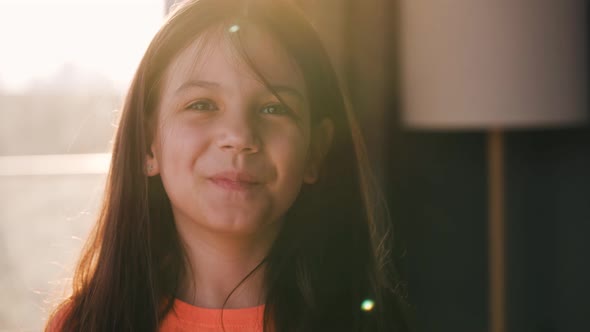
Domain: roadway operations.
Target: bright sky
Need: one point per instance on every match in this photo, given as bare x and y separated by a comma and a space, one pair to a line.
37, 37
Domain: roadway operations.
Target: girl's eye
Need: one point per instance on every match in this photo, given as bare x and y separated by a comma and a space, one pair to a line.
202, 105
277, 109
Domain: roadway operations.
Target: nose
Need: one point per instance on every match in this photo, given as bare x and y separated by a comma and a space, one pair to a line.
238, 135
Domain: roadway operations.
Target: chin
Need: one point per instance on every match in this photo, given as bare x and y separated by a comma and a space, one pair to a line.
240, 224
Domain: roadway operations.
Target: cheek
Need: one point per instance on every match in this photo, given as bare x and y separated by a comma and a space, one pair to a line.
288, 149
181, 147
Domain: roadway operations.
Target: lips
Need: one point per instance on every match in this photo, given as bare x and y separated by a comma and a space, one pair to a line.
239, 181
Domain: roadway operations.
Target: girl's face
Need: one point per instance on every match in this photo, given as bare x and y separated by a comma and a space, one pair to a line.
232, 158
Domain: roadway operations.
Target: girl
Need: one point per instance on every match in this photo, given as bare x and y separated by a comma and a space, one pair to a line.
239, 196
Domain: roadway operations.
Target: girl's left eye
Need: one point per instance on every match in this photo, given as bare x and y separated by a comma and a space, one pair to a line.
202, 105
275, 109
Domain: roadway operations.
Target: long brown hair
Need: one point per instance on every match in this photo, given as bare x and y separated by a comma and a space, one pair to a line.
331, 252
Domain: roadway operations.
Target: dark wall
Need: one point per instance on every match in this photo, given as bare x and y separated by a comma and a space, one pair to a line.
437, 195
548, 219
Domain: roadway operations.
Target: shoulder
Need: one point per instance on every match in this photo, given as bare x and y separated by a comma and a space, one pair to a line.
56, 320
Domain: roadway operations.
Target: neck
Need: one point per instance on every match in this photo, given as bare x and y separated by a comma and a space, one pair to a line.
222, 269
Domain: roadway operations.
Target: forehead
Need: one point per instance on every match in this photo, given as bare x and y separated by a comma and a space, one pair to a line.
244, 52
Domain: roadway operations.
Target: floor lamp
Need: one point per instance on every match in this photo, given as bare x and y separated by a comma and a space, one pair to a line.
493, 65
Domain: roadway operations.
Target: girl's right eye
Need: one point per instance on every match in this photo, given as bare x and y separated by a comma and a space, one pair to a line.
202, 105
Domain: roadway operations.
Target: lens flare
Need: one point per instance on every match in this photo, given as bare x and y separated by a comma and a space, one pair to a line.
367, 305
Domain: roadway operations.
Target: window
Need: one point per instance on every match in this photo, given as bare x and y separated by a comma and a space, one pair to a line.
64, 67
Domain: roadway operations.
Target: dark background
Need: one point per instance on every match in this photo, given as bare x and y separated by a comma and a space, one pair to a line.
436, 185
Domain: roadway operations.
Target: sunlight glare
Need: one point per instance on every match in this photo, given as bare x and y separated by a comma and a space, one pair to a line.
367, 305
234, 28
105, 37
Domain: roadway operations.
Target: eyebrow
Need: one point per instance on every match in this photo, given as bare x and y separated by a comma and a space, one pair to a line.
197, 83
288, 89
278, 88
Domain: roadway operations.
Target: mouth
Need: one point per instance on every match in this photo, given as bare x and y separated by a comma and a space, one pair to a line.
236, 181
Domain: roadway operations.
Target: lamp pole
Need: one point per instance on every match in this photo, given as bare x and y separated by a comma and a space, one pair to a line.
496, 230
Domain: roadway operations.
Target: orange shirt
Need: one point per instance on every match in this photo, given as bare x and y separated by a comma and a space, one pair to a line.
185, 317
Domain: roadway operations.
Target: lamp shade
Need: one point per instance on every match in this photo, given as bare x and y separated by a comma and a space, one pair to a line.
481, 64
